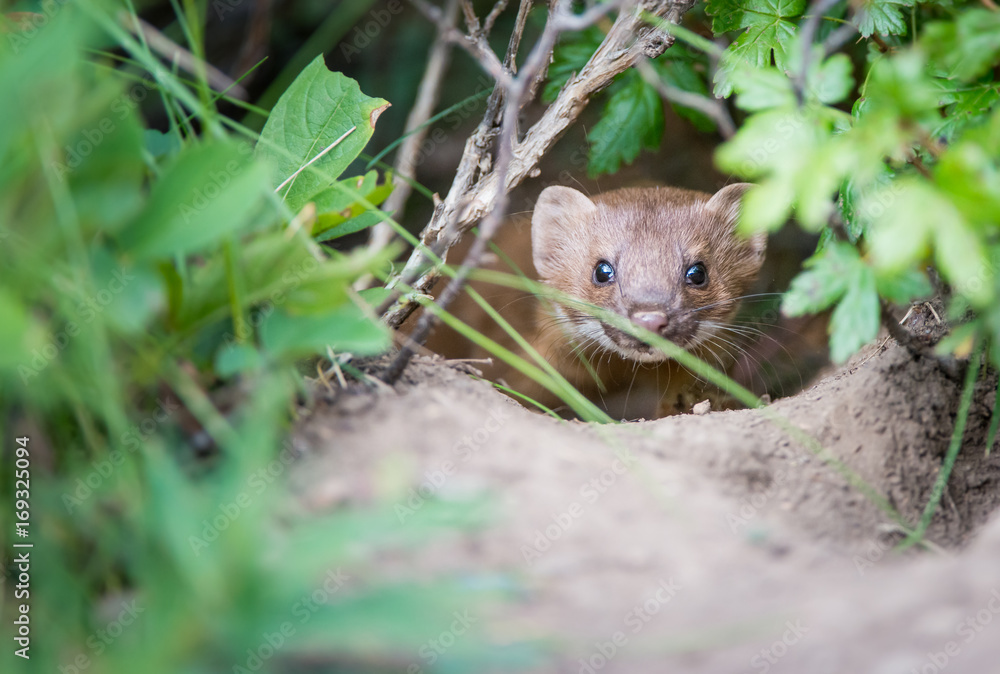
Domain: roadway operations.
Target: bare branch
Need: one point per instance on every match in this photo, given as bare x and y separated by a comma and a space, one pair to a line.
474, 43
423, 108
174, 53
710, 107
816, 12
492, 16
474, 192
494, 187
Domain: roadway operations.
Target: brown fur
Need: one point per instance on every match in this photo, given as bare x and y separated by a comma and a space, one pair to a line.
650, 236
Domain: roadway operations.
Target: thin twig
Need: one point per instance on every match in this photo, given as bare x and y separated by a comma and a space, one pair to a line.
560, 19
474, 189
475, 44
816, 12
423, 108
492, 16
715, 109
187, 61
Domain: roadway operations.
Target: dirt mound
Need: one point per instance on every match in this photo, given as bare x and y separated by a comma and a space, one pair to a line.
711, 543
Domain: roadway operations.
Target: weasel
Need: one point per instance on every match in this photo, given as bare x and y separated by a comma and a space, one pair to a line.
667, 259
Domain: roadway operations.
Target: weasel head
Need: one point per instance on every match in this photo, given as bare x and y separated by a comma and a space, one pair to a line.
667, 259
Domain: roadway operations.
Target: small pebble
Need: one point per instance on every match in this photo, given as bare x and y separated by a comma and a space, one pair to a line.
704, 407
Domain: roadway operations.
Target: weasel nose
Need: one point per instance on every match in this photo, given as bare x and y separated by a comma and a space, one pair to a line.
654, 321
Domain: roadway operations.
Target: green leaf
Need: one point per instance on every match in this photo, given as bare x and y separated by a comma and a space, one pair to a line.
767, 37
763, 88
107, 182
685, 70
966, 107
826, 278
966, 47
900, 86
902, 287
347, 329
884, 17
318, 110
831, 82
337, 205
569, 57
631, 120
236, 358
17, 332
129, 295
209, 192
919, 218
352, 226
855, 321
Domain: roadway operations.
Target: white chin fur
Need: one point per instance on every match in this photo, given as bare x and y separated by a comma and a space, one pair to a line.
593, 331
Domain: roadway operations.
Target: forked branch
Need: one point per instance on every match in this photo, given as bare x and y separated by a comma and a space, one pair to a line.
482, 180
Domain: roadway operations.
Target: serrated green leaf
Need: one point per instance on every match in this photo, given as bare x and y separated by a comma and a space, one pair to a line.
903, 287
826, 278
900, 86
966, 107
919, 218
319, 109
970, 178
767, 206
884, 17
209, 192
966, 47
768, 34
831, 82
855, 321
762, 89
905, 214
961, 256
631, 120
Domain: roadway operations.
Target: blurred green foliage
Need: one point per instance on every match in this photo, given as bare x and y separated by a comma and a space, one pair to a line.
159, 290
887, 146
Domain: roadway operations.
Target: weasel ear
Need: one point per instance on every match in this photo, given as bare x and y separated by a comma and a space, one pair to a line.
727, 203
560, 228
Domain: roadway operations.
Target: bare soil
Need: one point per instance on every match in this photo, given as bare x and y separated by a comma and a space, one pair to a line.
696, 543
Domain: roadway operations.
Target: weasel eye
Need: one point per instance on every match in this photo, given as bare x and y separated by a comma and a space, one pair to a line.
696, 275
604, 273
